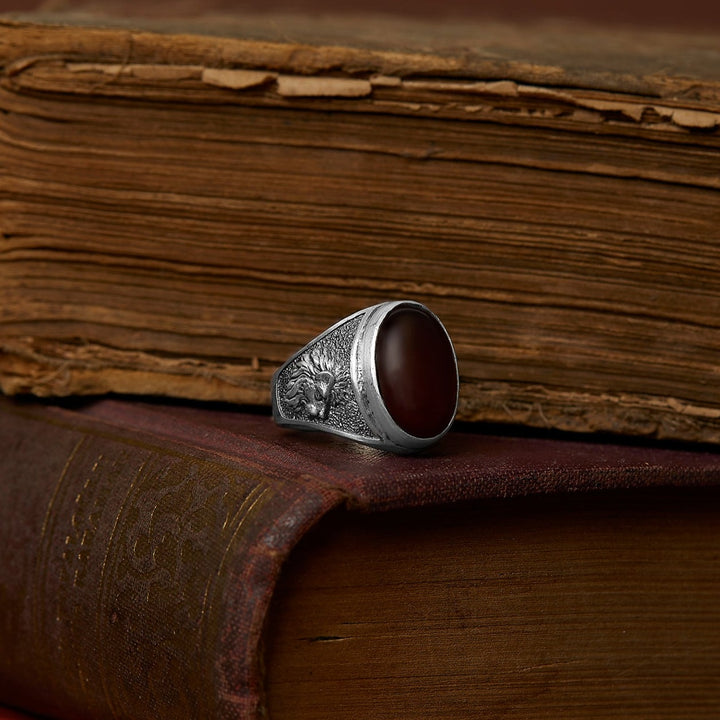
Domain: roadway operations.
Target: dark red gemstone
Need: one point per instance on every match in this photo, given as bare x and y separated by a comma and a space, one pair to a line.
416, 371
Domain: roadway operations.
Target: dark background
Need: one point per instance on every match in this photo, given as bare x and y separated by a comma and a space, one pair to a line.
684, 15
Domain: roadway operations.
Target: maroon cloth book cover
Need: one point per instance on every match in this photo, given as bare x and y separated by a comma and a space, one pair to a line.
141, 543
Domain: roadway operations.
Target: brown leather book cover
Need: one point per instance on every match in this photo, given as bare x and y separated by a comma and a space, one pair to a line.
187, 201
140, 544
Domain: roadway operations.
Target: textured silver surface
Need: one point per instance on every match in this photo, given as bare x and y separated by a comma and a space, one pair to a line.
315, 386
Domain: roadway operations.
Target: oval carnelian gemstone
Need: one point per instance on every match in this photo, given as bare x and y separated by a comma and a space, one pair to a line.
416, 371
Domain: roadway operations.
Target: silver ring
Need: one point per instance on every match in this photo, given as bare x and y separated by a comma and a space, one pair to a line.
385, 376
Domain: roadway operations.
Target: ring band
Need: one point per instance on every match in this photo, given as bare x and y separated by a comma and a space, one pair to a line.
385, 376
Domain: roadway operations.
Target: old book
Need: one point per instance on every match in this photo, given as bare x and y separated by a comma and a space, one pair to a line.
183, 204
169, 562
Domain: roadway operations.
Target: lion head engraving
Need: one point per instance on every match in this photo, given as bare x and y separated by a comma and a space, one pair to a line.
316, 384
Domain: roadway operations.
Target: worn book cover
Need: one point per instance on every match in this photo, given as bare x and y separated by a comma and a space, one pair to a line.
148, 569
184, 203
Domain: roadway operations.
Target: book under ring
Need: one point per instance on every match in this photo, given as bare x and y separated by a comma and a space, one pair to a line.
385, 376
